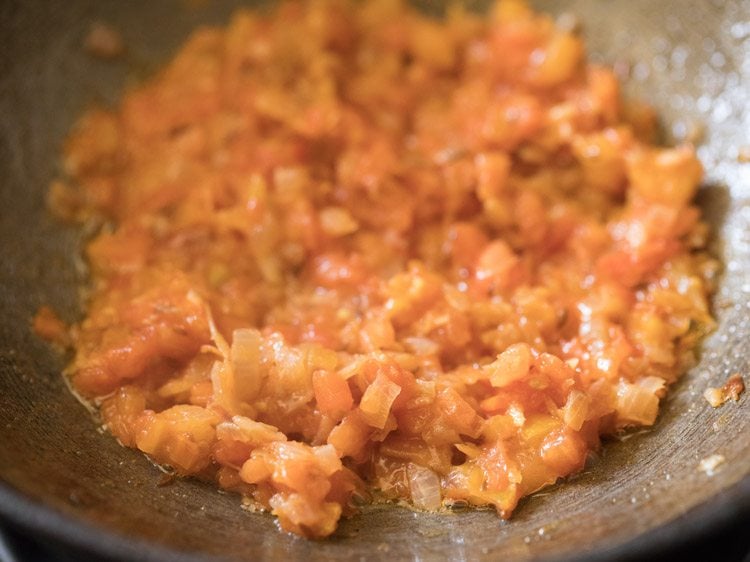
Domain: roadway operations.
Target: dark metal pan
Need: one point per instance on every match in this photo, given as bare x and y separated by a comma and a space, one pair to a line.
61, 477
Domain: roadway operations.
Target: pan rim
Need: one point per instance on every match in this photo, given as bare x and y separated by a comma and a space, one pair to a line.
699, 522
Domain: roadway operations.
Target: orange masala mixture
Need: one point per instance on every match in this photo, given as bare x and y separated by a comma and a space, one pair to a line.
348, 251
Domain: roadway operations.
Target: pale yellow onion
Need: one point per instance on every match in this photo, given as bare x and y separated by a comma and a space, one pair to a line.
576, 409
424, 486
245, 357
337, 221
377, 401
246, 430
655, 385
422, 346
222, 382
636, 404
328, 459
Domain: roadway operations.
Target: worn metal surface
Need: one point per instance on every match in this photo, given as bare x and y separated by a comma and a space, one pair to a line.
60, 475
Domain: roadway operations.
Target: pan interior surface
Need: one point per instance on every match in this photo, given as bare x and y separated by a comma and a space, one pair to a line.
693, 65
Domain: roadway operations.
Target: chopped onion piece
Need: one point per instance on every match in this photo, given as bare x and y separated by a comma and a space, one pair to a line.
636, 404
422, 346
426, 388
222, 383
516, 413
468, 449
251, 432
424, 486
328, 459
377, 401
246, 362
352, 368
218, 339
511, 365
656, 385
337, 221
576, 409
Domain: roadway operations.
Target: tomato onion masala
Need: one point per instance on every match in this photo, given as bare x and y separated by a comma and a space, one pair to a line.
347, 251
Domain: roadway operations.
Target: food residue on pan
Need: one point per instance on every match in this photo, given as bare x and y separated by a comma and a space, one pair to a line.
104, 41
731, 390
47, 325
710, 465
352, 251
